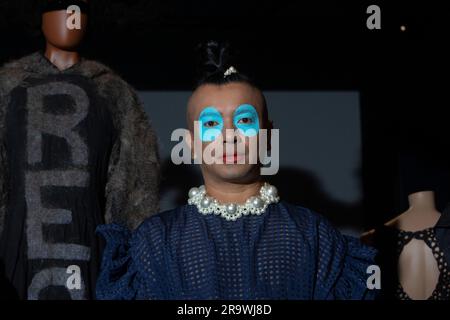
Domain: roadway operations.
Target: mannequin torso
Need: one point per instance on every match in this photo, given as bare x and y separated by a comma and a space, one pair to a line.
417, 267
418, 272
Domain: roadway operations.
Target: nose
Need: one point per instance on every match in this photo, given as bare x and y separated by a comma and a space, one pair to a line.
229, 132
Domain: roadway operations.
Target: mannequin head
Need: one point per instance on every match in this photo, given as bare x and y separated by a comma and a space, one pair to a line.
54, 24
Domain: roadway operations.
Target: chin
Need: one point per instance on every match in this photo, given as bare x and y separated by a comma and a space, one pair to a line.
234, 173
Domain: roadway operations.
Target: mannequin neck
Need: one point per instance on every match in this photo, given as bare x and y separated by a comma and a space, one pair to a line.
421, 214
422, 200
62, 59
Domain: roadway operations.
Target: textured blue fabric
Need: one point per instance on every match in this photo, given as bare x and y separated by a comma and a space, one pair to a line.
288, 252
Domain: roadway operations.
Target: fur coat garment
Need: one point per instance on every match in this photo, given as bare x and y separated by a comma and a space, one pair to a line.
76, 150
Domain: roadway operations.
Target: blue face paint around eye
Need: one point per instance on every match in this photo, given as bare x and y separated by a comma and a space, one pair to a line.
211, 124
246, 119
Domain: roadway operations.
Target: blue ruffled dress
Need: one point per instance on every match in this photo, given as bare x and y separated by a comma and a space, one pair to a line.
288, 252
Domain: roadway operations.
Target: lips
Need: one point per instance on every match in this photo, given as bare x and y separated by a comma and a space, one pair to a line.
231, 158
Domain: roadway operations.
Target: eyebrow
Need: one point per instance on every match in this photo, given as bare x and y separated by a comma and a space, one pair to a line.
246, 112
210, 113
251, 111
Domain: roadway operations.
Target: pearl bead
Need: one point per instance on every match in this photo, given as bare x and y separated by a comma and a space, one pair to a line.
231, 208
272, 191
205, 202
257, 202
193, 192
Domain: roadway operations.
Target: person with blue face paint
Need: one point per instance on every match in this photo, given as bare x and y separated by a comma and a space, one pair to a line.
235, 238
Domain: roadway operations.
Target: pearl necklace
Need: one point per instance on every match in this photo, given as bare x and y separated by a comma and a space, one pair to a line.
255, 205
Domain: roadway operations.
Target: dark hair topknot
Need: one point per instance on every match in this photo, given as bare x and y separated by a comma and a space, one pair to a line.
214, 59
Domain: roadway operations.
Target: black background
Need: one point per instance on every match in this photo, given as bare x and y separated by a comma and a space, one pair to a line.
289, 45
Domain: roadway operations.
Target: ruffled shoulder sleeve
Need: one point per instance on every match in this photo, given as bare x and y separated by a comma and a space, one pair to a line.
119, 277
352, 281
133, 265
342, 266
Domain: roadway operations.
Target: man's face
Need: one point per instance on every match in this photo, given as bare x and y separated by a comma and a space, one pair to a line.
236, 106
56, 31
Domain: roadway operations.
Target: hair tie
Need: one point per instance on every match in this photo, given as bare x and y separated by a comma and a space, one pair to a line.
229, 71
